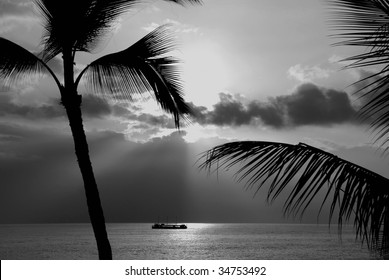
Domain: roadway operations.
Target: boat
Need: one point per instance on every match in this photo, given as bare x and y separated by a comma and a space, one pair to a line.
168, 226
159, 225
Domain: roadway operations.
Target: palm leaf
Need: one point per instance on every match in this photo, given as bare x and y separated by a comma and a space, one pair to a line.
16, 62
365, 23
80, 25
185, 2
355, 191
143, 67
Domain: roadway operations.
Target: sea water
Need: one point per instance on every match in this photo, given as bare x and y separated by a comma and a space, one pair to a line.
199, 241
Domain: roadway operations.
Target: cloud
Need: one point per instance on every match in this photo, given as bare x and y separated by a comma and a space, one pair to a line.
177, 26
162, 121
230, 111
308, 104
15, 7
92, 107
308, 73
95, 107
133, 114
15, 12
312, 105
9, 108
140, 132
128, 117
270, 113
142, 127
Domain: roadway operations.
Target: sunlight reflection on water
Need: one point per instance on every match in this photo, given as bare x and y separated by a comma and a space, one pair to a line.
199, 241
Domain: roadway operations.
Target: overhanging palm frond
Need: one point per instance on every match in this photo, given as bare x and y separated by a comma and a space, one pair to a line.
356, 191
80, 25
17, 62
143, 67
365, 23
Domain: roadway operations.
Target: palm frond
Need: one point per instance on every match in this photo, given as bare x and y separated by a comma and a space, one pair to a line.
143, 67
356, 192
80, 25
365, 23
185, 2
16, 62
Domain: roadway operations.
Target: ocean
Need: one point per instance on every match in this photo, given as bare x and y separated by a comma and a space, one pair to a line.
199, 242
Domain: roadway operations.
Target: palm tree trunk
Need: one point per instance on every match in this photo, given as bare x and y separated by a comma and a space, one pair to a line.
95, 209
72, 103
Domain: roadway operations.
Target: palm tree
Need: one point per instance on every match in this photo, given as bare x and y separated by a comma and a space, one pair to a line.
354, 191
73, 26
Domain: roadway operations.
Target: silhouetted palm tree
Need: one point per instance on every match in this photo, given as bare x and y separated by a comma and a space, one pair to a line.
72, 26
357, 192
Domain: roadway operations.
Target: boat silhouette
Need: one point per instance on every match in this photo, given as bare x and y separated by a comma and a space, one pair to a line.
168, 226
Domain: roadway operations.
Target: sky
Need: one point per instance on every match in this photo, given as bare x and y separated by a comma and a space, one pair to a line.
253, 70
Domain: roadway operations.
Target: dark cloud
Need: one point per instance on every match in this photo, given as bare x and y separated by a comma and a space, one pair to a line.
312, 105
9, 108
143, 125
95, 107
229, 111
270, 113
92, 107
309, 104
199, 113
